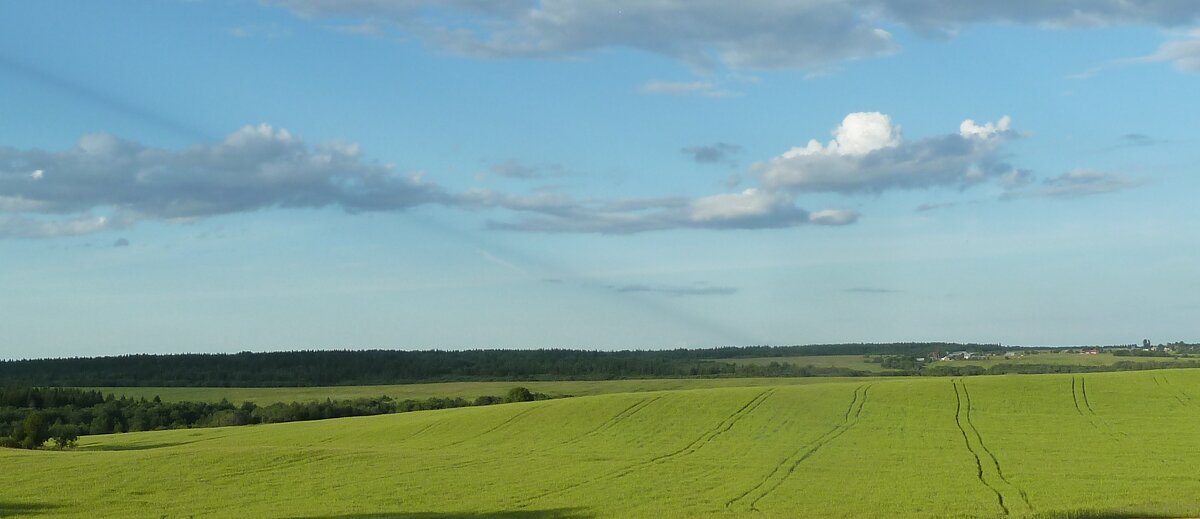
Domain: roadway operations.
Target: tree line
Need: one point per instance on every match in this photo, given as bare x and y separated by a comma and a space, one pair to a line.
328, 368
30, 416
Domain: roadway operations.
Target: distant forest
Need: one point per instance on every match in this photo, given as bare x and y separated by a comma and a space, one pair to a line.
333, 368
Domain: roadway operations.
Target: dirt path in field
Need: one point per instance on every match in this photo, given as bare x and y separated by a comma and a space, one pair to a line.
788, 465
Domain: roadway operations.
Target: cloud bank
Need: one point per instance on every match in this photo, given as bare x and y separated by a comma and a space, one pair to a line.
107, 183
752, 34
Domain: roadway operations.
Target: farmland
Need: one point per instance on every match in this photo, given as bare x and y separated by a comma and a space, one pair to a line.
1095, 445
468, 390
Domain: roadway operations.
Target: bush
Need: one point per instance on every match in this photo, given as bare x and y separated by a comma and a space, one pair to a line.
519, 394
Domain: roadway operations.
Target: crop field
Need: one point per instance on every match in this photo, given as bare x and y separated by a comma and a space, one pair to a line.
1096, 445
468, 390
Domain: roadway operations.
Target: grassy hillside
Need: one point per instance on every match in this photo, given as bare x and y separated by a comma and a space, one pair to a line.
1101, 445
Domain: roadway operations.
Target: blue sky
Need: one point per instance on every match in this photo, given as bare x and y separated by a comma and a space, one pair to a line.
222, 176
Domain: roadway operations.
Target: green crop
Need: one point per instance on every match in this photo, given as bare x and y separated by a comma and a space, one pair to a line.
1096, 445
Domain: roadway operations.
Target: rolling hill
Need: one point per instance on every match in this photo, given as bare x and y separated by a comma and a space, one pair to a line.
1096, 445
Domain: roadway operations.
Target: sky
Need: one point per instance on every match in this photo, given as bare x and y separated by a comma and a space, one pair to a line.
220, 176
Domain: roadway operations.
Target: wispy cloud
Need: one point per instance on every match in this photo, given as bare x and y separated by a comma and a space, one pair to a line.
1139, 140
934, 206
870, 290
697, 289
1079, 183
520, 170
716, 153
697, 88
268, 31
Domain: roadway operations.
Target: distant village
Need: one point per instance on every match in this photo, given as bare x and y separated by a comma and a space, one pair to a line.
1145, 348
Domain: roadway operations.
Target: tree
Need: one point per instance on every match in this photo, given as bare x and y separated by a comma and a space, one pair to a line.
33, 432
519, 394
65, 435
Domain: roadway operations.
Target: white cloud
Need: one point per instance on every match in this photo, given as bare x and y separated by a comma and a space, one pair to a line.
37, 174
869, 154
860, 133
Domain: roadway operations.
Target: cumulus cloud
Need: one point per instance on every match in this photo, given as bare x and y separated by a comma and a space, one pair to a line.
869, 154
1080, 182
697, 289
711, 153
754, 34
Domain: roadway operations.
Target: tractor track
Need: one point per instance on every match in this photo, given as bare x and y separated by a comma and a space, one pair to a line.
510, 420
618, 418
1074, 398
1083, 390
982, 445
422, 430
1181, 395
958, 421
1092, 416
777, 476
721, 427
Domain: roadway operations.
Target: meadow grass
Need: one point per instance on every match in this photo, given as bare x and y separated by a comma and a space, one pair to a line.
1088, 446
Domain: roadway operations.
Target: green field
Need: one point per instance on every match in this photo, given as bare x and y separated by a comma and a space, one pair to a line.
1096, 445
468, 390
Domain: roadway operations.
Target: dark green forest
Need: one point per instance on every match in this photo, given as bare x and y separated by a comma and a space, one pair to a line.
332, 368
31, 416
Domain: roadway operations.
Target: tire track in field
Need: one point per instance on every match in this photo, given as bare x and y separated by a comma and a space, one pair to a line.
1083, 390
995, 460
418, 433
1092, 416
695, 445
778, 475
499, 426
620, 417
1182, 396
1075, 398
958, 421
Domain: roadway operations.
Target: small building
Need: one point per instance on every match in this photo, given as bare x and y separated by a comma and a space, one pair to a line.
958, 355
